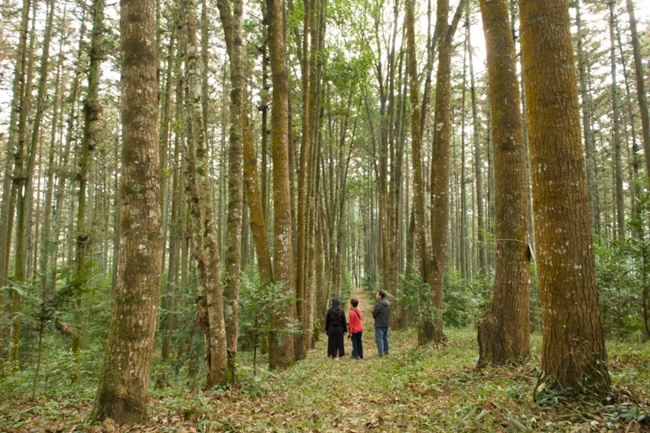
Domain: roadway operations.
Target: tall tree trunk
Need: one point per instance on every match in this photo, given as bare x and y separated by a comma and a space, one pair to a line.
573, 353
170, 199
616, 134
641, 92
47, 244
231, 18
633, 158
503, 333
422, 250
124, 382
92, 110
9, 187
200, 200
586, 119
255, 207
303, 191
281, 352
24, 160
478, 176
441, 162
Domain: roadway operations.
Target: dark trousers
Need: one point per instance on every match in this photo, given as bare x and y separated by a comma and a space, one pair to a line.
357, 345
335, 342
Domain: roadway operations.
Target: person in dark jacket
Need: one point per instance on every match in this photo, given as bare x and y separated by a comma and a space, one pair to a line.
381, 314
335, 327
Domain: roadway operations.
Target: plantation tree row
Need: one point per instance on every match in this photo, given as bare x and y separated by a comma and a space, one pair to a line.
184, 180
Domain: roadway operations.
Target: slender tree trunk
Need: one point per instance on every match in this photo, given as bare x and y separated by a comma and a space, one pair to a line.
24, 160
9, 188
91, 110
422, 251
503, 333
203, 229
586, 118
573, 353
170, 199
478, 176
616, 137
303, 191
124, 382
441, 164
641, 91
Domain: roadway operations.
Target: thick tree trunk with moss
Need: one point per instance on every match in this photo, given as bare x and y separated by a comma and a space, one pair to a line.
124, 381
573, 352
203, 228
281, 351
503, 332
231, 18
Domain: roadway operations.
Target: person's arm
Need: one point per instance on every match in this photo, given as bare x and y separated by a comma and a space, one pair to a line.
345, 324
375, 310
327, 322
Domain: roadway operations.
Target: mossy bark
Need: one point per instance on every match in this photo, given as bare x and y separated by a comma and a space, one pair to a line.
281, 351
231, 19
203, 229
573, 350
503, 333
124, 381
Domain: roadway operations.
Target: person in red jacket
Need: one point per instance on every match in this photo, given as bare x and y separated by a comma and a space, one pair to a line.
355, 329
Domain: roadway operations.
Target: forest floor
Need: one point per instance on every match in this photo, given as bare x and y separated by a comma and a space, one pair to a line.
413, 389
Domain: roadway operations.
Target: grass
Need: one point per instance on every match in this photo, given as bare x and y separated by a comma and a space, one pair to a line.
414, 389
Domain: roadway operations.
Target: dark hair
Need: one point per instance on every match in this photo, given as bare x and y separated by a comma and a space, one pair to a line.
336, 309
382, 293
354, 302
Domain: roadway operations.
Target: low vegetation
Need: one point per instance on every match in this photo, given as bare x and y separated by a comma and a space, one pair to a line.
411, 390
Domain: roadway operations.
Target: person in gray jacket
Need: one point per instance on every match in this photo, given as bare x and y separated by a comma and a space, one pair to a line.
381, 314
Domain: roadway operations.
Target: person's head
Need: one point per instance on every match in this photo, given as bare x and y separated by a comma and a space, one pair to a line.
381, 294
336, 304
354, 302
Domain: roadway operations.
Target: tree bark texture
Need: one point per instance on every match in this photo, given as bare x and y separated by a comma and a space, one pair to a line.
573, 353
231, 18
503, 333
422, 248
281, 351
255, 208
124, 382
441, 165
203, 228
92, 110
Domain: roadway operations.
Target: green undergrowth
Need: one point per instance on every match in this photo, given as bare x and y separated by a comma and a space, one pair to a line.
413, 389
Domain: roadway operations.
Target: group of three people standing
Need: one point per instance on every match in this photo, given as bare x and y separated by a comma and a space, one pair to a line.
336, 326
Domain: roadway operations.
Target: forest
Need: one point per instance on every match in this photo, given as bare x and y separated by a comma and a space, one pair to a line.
187, 185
